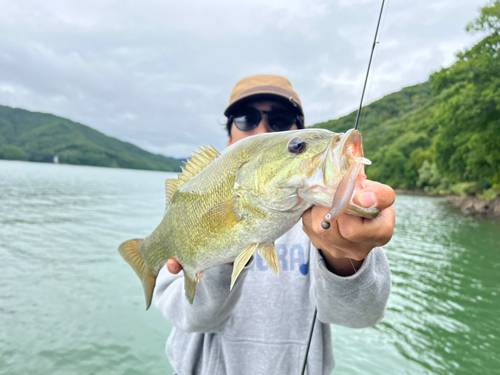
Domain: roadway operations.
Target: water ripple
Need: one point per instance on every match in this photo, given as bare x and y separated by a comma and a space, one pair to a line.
69, 304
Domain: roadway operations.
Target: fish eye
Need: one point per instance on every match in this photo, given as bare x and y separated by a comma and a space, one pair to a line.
297, 145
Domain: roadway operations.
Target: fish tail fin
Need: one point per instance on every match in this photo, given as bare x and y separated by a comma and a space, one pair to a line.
190, 283
130, 251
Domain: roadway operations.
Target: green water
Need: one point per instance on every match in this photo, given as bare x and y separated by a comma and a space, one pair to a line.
70, 305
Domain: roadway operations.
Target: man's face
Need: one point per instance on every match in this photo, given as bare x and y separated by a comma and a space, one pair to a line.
263, 127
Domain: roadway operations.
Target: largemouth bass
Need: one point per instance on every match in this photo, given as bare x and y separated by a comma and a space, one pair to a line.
224, 207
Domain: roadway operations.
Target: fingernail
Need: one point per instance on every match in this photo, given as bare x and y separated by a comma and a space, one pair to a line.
368, 199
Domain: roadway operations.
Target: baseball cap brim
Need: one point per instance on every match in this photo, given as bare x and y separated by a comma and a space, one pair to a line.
252, 88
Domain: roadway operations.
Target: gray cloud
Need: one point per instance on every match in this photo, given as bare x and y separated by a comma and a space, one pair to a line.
159, 73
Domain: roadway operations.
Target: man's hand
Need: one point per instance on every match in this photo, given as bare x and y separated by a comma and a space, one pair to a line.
350, 239
173, 266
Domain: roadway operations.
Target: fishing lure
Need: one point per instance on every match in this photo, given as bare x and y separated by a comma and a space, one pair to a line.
330, 216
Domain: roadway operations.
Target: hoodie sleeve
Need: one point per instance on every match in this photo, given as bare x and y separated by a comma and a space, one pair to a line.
213, 302
355, 301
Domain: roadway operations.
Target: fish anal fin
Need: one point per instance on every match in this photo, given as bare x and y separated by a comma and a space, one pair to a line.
268, 252
130, 251
190, 283
241, 262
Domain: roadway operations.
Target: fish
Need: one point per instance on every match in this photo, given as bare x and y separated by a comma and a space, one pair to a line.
225, 206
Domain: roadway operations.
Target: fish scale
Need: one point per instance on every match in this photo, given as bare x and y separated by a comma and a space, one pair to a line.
224, 207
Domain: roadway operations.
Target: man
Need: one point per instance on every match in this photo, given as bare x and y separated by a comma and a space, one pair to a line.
262, 325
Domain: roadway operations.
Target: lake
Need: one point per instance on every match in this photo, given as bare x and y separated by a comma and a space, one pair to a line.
69, 304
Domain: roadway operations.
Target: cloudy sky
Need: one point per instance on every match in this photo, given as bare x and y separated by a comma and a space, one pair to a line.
158, 73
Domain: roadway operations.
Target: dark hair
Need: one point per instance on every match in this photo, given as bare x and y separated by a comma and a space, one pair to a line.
299, 120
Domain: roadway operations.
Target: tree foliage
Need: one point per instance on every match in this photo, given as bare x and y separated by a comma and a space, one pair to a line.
467, 146
10, 152
442, 135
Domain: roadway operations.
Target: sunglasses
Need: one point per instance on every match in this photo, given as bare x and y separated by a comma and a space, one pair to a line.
278, 119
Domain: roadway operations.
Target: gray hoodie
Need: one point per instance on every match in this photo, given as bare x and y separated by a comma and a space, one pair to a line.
262, 325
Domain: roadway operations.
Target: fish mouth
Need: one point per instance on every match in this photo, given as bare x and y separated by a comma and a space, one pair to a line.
350, 150
351, 165
326, 170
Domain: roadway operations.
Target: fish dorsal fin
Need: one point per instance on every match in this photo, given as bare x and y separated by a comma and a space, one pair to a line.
194, 165
198, 162
171, 186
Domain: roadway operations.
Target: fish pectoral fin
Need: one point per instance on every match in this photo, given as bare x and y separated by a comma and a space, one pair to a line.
225, 211
190, 283
241, 261
355, 210
129, 250
268, 252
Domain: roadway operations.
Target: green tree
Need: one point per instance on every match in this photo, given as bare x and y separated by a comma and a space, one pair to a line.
10, 152
467, 146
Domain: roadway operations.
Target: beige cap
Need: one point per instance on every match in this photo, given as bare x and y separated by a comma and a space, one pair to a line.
264, 85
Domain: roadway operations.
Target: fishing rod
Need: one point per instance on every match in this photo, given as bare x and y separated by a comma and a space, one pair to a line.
326, 224
369, 65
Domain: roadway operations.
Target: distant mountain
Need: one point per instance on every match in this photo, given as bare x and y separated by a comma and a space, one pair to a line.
36, 136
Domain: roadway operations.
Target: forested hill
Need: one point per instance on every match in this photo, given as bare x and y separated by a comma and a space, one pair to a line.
443, 135
35, 136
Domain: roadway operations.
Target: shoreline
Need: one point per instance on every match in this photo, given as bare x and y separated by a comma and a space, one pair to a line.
469, 205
